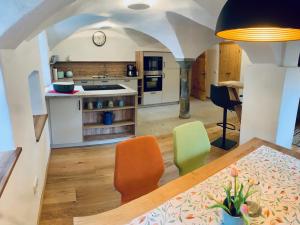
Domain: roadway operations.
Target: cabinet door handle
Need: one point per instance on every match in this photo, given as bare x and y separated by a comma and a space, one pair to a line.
83, 82
152, 93
104, 81
164, 75
79, 105
126, 80
164, 64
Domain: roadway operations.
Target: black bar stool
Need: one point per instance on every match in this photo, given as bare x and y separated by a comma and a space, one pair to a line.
220, 96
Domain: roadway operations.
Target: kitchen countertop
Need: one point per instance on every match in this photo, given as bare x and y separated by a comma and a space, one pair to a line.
100, 93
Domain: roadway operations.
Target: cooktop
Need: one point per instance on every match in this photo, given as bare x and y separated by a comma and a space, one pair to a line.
102, 87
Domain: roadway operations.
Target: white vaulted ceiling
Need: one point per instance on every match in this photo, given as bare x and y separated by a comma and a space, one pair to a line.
175, 23
186, 27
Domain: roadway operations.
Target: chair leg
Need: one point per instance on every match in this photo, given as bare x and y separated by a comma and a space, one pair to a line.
222, 142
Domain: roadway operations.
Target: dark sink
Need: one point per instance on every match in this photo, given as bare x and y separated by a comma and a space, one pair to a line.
102, 87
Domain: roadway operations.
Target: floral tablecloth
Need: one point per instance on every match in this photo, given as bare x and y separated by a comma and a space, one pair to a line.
279, 177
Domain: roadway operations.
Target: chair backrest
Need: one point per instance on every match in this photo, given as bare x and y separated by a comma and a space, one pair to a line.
190, 142
219, 95
138, 167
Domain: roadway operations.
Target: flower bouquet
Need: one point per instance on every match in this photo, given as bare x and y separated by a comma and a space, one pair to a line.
236, 210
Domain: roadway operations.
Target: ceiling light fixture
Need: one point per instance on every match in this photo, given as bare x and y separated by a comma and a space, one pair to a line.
259, 20
138, 4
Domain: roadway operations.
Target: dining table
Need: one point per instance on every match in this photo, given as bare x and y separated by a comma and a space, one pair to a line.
233, 89
185, 200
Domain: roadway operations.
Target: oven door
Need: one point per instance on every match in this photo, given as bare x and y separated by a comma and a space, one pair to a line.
152, 83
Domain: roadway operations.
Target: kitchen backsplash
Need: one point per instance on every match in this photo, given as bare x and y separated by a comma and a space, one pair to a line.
93, 68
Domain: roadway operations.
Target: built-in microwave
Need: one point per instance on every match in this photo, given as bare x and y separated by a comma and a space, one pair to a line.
153, 65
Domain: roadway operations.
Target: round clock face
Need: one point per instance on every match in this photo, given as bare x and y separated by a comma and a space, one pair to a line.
99, 38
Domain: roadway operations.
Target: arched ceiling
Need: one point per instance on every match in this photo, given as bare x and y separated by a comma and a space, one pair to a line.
186, 27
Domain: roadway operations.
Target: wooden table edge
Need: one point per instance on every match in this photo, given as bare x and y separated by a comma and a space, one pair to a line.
125, 213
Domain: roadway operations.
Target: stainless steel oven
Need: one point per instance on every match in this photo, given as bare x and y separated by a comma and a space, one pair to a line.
153, 83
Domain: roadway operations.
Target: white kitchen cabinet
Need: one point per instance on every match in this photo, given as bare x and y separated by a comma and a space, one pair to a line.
171, 85
129, 83
169, 62
151, 98
65, 120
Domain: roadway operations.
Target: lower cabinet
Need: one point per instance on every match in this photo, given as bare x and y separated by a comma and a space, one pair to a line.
171, 85
65, 120
152, 97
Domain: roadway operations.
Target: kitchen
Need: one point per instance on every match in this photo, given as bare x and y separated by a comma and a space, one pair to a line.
64, 147
151, 78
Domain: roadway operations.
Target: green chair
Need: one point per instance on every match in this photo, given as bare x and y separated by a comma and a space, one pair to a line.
191, 146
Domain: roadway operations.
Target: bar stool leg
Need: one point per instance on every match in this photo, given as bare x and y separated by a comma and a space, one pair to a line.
222, 142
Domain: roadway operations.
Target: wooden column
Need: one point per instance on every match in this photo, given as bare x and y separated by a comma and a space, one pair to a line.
185, 76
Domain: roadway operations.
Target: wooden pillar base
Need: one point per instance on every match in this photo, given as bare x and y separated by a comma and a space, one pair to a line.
185, 67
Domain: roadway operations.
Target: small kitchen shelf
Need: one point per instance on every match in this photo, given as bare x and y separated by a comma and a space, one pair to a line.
39, 122
124, 122
107, 136
115, 124
109, 109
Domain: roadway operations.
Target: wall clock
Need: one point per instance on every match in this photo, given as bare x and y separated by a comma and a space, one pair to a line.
99, 38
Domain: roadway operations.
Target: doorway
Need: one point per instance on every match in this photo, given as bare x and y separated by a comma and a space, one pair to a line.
198, 81
230, 62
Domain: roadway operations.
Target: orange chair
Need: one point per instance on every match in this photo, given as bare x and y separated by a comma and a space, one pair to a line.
138, 167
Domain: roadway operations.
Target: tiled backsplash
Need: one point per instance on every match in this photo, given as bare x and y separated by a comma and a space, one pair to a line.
93, 68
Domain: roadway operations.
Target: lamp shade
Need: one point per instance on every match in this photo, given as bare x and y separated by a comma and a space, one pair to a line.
260, 20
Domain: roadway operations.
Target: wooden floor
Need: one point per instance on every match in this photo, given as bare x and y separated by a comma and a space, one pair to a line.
80, 180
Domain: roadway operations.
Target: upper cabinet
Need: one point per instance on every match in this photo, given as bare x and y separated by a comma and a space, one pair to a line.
169, 62
230, 62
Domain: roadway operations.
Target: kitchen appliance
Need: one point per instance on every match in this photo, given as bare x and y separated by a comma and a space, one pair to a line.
108, 118
107, 87
153, 83
131, 70
64, 87
153, 65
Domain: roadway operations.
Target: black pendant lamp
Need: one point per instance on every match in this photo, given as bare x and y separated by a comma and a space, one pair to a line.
260, 20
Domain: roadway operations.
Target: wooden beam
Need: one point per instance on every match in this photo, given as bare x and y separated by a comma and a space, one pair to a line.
8, 161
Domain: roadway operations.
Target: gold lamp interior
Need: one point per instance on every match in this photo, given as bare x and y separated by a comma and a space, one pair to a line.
261, 34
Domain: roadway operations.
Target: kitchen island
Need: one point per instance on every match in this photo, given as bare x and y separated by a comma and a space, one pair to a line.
90, 117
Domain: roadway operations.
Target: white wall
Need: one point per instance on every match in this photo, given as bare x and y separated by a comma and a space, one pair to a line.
19, 205
289, 108
120, 46
6, 137
264, 84
213, 55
